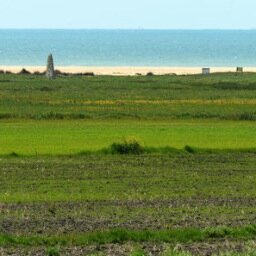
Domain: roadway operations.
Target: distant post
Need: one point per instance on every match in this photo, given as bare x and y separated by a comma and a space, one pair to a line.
206, 71
239, 70
50, 68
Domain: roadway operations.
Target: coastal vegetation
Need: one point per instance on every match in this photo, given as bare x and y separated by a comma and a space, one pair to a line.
142, 165
217, 96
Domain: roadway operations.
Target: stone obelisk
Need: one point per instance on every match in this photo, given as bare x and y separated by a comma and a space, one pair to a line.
50, 68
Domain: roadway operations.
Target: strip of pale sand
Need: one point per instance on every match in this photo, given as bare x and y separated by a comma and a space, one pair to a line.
122, 71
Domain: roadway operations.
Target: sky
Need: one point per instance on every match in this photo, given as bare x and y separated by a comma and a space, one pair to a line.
128, 14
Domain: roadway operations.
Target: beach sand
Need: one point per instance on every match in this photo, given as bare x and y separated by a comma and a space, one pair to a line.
123, 71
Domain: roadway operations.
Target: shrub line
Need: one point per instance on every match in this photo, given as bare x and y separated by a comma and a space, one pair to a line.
116, 149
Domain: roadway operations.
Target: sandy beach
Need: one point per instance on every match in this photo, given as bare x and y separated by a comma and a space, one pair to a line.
122, 71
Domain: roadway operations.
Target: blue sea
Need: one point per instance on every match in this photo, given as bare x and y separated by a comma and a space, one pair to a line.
129, 47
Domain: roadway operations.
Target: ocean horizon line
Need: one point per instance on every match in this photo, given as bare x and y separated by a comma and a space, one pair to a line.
136, 29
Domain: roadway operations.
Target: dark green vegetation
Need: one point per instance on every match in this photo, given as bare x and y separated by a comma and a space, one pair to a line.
127, 146
218, 96
157, 165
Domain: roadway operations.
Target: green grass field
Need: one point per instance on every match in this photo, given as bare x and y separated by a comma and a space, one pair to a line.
219, 96
201, 201
73, 137
190, 191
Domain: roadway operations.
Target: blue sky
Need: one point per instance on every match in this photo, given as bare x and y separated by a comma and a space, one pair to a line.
155, 14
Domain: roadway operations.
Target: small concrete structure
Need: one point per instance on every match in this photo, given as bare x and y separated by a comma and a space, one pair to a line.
206, 71
239, 70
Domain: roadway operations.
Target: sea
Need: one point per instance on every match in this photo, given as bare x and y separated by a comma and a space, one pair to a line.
177, 48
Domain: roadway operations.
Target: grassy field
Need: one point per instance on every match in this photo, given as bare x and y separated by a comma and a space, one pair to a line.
72, 137
134, 200
190, 191
181, 175
149, 200
219, 96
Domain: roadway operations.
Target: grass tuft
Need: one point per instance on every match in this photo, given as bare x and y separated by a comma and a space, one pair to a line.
14, 154
189, 149
127, 146
138, 252
53, 251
